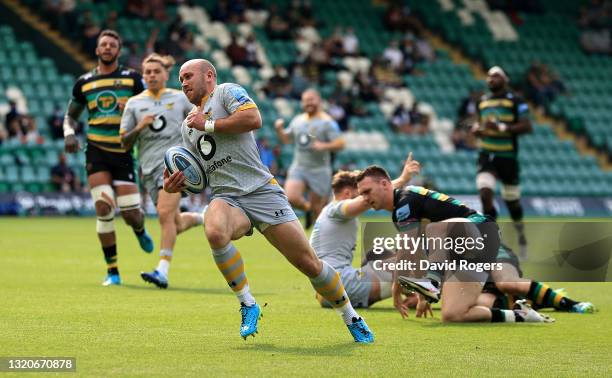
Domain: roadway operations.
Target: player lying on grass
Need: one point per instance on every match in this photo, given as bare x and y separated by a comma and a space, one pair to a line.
152, 122
246, 195
461, 288
334, 237
508, 284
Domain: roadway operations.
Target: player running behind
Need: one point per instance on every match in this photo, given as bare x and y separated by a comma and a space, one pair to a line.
502, 117
315, 136
152, 122
334, 237
246, 195
460, 290
110, 167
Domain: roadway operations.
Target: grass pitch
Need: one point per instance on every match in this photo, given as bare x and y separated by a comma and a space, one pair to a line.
53, 305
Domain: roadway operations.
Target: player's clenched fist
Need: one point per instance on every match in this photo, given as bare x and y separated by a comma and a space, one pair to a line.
279, 123
196, 120
71, 144
145, 121
174, 183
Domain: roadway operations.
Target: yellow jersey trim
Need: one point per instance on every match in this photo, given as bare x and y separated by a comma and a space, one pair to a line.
246, 106
103, 120
102, 83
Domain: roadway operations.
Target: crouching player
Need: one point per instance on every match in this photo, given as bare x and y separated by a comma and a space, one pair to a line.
334, 237
462, 289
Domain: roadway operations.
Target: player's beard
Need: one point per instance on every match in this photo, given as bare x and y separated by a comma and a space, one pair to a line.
311, 109
108, 62
494, 87
197, 95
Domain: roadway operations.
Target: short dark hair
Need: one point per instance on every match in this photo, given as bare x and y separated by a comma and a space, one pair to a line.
374, 171
109, 33
344, 179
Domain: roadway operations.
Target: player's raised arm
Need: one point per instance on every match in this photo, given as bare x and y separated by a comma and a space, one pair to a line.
411, 168
284, 135
358, 205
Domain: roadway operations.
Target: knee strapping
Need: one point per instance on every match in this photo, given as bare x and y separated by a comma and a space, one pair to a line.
511, 192
128, 201
104, 193
485, 180
106, 223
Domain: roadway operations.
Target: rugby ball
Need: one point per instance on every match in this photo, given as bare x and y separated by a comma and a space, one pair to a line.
179, 158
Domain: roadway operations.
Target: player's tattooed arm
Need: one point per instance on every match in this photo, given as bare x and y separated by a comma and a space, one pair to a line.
283, 136
71, 143
128, 138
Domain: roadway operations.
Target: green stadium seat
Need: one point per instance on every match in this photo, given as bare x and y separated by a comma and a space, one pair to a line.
11, 174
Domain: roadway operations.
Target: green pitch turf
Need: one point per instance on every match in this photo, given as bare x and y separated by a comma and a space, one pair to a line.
52, 304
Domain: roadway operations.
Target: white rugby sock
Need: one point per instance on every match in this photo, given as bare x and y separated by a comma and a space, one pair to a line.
164, 262
348, 313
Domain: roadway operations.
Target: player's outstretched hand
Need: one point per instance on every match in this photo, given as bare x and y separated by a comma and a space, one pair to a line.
398, 301
71, 144
423, 308
411, 168
174, 183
